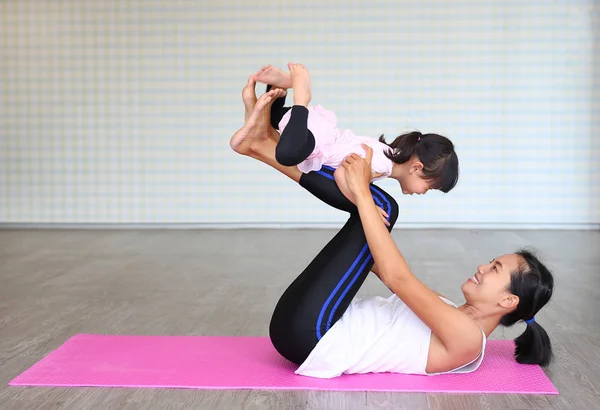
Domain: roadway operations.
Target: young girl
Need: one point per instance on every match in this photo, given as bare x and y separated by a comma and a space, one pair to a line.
311, 139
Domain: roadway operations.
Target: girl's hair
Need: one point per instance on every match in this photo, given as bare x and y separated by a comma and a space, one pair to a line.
440, 162
533, 284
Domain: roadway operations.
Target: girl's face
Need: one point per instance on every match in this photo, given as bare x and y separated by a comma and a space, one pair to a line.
413, 181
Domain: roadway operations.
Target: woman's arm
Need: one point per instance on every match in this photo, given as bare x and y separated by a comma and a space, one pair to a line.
339, 175
376, 271
458, 333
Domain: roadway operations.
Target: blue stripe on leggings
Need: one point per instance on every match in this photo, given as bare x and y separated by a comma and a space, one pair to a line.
349, 271
389, 206
354, 279
328, 301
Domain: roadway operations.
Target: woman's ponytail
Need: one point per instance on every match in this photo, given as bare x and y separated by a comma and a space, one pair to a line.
533, 346
533, 283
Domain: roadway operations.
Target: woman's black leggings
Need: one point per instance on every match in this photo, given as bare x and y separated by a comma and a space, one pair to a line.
321, 294
296, 142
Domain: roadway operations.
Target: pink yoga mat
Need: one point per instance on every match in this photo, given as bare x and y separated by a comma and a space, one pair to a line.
251, 363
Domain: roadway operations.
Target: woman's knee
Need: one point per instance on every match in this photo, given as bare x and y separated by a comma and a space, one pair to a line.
394, 211
387, 203
291, 344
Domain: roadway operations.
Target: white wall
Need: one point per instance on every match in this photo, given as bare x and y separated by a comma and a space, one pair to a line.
121, 112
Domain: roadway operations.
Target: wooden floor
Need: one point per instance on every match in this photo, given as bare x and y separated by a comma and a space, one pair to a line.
54, 284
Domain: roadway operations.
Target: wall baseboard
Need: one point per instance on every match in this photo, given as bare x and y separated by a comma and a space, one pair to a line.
285, 225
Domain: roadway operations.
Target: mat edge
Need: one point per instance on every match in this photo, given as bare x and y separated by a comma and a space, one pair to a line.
279, 388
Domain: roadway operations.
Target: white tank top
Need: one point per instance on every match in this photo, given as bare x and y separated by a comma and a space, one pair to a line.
376, 335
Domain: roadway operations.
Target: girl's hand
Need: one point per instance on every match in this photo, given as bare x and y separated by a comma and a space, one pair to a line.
384, 216
358, 172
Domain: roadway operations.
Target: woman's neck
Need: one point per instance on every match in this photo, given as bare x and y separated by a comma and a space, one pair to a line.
487, 323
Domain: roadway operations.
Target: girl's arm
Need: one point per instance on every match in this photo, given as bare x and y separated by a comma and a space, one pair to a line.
460, 336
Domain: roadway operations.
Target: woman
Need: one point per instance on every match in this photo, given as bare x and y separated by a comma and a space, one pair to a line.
318, 324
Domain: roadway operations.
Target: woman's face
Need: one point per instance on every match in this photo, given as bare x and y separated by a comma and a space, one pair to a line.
490, 285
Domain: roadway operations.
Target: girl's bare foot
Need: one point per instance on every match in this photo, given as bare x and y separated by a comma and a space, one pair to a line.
273, 76
242, 140
301, 84
249, 96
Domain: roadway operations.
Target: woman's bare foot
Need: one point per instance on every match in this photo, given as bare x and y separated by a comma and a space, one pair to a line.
274, 76
301, 84
249, 96
274, 134
241, 141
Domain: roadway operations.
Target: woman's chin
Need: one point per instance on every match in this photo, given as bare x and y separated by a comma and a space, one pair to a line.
466, 288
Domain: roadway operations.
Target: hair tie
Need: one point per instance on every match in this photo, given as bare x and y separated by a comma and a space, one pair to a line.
530, 321
418, 139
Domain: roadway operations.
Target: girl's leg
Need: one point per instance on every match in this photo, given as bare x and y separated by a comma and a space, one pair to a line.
296, 142
314, 302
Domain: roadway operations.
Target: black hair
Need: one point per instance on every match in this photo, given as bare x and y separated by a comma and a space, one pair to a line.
533, 284
440, 162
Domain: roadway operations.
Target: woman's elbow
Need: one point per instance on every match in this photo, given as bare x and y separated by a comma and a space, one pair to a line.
394, 278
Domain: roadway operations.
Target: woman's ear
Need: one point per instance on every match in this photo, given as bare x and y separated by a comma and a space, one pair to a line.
509, 301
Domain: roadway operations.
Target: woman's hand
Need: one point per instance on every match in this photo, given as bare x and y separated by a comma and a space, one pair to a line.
358, 172
340, 179
358, 177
